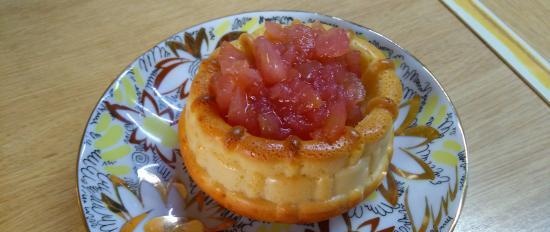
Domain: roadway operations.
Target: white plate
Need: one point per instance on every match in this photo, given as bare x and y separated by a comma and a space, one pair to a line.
131, 178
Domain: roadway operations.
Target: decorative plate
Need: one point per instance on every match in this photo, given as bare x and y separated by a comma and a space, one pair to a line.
131, 177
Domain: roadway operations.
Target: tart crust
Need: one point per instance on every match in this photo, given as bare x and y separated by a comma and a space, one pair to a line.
292, 180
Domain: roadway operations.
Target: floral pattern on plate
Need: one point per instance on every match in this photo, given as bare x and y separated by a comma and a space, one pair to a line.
131, 176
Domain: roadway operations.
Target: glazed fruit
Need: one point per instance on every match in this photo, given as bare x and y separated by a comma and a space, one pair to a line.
297, 80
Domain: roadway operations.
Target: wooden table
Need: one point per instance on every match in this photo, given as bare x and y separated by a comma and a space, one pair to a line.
57, 58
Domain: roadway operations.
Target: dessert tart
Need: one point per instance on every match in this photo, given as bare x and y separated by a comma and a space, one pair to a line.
291, 124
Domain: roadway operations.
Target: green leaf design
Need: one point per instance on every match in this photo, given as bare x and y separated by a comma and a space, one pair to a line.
161, 130
110, 137
452, 145
131, 94
116, 153
103, 122
118, 170
140, 81
444, 157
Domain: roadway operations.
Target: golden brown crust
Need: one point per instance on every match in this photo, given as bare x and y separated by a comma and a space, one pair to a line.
209, 145
268, 211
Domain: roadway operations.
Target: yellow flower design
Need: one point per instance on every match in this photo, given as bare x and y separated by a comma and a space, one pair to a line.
110, 143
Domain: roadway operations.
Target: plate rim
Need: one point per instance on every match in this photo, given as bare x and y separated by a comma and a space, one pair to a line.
127, 67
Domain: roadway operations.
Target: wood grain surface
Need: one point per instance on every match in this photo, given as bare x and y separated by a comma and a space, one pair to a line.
57, 58
529, 19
